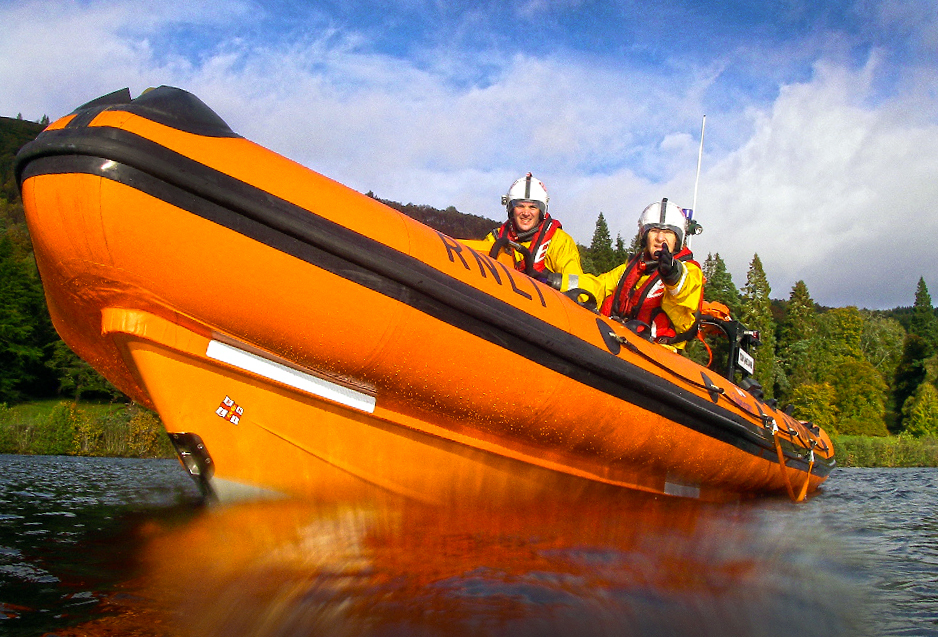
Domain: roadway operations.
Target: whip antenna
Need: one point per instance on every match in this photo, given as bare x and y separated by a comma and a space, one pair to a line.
693, 210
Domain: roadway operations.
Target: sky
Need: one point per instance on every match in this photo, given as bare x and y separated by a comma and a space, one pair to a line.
820, 150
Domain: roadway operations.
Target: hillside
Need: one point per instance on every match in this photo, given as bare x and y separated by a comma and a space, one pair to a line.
13, 134
450, 221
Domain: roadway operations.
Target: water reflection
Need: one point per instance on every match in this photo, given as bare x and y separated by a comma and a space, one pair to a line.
616, 566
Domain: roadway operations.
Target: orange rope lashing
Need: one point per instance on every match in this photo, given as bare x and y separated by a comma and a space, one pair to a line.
782, 467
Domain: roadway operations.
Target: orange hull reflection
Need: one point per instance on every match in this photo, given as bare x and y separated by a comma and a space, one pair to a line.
635, 565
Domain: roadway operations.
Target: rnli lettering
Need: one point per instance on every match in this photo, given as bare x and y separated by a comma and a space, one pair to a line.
486, 265
453, 248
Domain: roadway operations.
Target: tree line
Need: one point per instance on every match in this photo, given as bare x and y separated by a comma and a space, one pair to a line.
851, 371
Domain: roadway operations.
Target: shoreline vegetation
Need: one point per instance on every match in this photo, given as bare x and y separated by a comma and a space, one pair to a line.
62, 427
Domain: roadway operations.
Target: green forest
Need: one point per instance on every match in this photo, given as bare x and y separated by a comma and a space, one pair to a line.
854, 372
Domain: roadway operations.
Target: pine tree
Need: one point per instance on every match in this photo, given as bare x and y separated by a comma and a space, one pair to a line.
924, 323
757, 315
719, 286
920, 411
919, 346
621, 254
586, 260
21, 310
636, 246
801, 317
911, 372
797, 333
601, 252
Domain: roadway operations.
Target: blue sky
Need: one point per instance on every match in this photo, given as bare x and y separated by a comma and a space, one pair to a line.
821, 148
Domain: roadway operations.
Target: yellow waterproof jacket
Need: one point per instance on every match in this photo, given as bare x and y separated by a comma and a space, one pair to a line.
679, 302
562, 254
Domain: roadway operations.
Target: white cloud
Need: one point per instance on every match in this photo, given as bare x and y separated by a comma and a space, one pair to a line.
56, 55
830, 191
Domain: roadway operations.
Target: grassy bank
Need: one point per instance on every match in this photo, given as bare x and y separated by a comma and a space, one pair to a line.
82, 429
891, 451
118, 430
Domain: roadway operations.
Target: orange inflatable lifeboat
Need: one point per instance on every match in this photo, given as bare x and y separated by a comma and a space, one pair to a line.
298, 337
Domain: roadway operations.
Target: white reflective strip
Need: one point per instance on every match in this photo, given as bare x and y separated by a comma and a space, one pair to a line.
573, 281
288, 376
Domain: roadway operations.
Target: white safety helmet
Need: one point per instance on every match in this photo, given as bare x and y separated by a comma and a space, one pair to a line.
663, 214
527, 188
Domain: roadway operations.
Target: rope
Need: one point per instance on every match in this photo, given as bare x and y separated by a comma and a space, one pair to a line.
782, 467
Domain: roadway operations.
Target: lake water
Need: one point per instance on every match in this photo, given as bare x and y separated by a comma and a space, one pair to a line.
92, 546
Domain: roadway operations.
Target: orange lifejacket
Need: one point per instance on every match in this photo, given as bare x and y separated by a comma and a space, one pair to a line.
642, 303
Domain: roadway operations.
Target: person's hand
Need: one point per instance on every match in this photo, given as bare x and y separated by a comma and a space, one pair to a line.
668, 267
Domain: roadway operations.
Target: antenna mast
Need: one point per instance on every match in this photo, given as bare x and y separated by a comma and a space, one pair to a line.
703, 125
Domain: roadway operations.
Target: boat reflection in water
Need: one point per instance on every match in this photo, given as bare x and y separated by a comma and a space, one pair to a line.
632, 564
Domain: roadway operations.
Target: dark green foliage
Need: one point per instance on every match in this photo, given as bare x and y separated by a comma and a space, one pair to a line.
450, 222
719, 286
757, 315
14, 133
56, 436
910, 373
815, 402
860, 398
25, 328
920, 411
601, 253
636, 246
923, 322
894, 451
620, 255
77, 378
881, 342
88, 429
799, 324
797, 334
586, 260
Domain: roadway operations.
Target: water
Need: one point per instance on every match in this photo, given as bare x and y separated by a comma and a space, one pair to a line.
124, 547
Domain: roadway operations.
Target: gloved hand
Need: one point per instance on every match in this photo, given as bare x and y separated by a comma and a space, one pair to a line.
553, 279
669, 268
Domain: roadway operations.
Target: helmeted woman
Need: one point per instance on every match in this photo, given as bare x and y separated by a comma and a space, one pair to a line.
658, 292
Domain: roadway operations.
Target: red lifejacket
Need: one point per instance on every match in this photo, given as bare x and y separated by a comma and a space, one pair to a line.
540, 241
643, 303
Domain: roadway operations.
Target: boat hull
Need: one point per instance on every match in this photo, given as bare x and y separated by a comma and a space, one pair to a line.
365, 351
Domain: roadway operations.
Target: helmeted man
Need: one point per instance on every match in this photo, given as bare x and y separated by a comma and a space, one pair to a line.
658, 292
537, 242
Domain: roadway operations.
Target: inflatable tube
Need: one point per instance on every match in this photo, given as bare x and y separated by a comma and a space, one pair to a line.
296, 336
